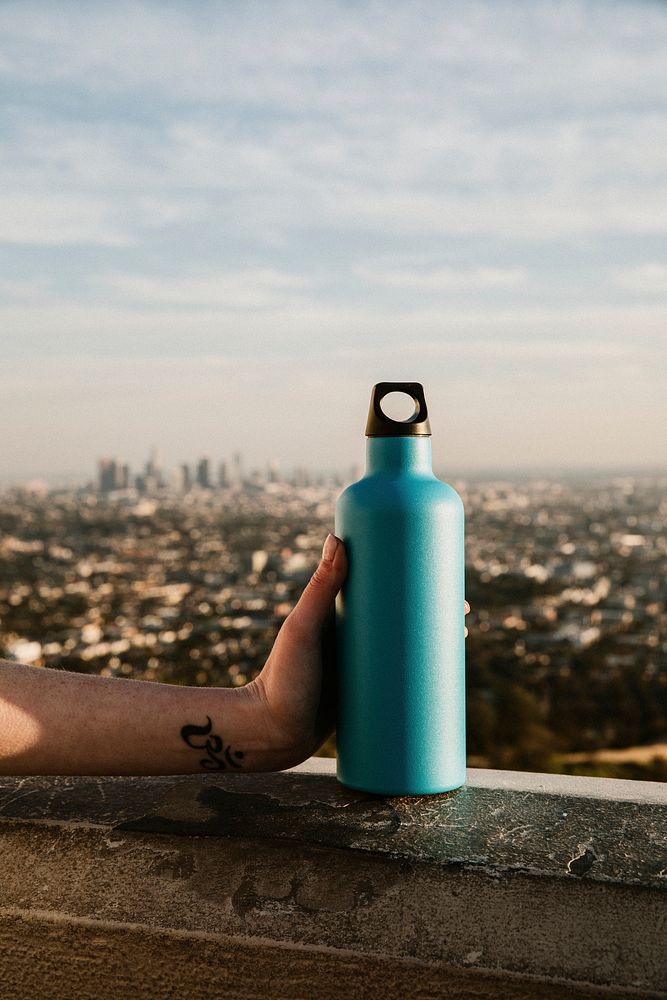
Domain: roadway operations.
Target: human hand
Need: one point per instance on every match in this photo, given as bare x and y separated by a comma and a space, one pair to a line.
55, 722
296, 689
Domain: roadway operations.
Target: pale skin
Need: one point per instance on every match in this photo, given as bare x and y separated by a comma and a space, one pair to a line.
54, 722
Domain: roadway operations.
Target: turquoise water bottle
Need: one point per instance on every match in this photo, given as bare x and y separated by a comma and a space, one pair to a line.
400, 615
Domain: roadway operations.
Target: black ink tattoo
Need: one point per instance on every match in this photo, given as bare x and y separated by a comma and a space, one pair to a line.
218, 756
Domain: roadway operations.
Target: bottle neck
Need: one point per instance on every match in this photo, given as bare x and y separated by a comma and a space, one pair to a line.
399, 454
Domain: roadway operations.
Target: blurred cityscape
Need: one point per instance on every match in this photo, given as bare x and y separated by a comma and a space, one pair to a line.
186, 578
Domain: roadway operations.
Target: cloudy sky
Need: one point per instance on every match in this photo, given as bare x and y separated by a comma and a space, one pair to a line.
221, 223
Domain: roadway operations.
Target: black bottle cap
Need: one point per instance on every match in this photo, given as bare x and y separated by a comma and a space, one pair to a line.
380, 425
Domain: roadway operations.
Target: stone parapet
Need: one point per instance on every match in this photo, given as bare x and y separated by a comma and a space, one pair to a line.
290, 886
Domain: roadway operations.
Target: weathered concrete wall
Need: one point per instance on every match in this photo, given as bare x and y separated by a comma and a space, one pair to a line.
289, 885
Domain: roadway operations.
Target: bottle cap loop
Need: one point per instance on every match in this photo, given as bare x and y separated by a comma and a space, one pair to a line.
380, 425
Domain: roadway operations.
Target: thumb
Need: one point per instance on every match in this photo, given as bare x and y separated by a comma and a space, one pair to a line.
307, 618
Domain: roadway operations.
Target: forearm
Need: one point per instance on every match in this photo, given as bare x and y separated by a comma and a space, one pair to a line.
53, 722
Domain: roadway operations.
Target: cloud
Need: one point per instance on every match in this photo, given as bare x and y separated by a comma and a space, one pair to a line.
446, 278
552, 215
304, 329
34, 289
57, 220
645, 279
271, 120
329, 192
319, 55
249, 289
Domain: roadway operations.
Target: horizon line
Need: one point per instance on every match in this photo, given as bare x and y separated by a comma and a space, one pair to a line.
83, 479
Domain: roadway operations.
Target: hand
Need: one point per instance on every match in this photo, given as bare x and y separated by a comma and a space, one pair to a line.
296, 688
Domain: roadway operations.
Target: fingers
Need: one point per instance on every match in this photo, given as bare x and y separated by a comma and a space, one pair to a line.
309, 614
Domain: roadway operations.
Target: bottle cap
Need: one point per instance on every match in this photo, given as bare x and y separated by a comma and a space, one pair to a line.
380, 425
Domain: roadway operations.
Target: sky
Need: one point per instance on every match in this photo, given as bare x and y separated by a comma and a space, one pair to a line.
222, 223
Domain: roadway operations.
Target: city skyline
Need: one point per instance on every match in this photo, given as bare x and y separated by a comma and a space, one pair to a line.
204, 472
566, 582
220, 225
88, 474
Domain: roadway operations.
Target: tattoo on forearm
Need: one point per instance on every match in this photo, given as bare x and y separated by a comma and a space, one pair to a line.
218, 756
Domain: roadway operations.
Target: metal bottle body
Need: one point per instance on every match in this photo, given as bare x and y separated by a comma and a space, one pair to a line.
399, 623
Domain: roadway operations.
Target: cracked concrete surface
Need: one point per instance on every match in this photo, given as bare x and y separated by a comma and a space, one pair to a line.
499, 889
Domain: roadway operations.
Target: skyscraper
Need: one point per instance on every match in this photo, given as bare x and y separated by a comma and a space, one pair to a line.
113, 475
153, 465
237, 463
204, 473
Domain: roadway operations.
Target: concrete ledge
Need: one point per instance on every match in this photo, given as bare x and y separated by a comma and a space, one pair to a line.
289, 885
